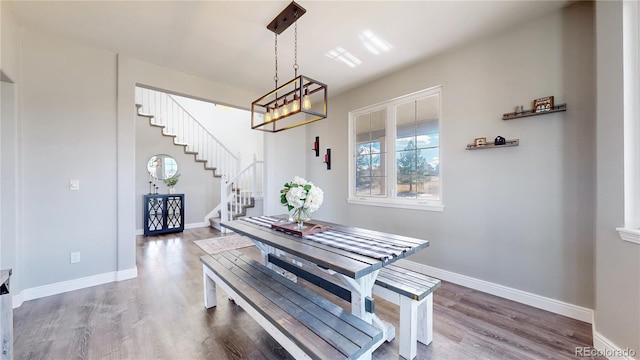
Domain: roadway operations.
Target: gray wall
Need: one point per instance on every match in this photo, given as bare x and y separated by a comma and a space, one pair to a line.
8, 177
9, 143
522, 216
68, 108
617, 267
285, 157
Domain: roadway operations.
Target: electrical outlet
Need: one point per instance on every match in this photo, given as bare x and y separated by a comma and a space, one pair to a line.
75, 257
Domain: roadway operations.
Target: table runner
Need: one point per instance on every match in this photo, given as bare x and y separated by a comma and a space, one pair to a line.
366, 246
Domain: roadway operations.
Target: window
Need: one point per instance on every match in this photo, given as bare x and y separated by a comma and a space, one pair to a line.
395, 152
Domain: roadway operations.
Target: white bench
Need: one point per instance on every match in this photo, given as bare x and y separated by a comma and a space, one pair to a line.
411, 290
305, 324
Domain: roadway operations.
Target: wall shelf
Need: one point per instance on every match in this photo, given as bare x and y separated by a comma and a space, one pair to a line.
516, 115
490, 145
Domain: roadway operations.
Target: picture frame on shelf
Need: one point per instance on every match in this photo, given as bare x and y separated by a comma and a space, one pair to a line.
481, 141
543, 104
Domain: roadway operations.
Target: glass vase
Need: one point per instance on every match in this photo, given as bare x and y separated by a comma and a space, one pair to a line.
299, 215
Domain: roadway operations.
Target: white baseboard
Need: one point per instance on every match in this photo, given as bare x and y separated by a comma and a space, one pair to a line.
610, 350
196, 225
16, 300
537, 301
123, 275
71, 285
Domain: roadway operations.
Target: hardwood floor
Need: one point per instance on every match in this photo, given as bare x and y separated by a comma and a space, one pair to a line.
160, 315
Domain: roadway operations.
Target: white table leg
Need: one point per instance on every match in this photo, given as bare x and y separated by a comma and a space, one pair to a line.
361, 289
265, 250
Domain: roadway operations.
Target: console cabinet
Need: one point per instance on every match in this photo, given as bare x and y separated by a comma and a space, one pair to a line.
163, 213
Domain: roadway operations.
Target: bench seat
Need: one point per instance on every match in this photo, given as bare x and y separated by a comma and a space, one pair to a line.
405, 282
304, 323
412, 291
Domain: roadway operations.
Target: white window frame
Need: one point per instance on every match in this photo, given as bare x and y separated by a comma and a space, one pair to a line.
631, 65
390, 169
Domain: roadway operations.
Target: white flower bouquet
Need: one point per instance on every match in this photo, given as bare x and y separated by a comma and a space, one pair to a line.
301, 199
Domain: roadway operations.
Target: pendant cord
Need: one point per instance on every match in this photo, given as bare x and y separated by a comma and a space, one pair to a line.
276, 56
295, 47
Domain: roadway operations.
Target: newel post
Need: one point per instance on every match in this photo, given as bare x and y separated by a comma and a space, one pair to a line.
224, 210
254, 175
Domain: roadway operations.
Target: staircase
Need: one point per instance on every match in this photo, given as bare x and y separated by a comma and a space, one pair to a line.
238, 201
238, 187
234, 211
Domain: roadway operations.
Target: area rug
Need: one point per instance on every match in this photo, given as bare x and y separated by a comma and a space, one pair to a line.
223, 243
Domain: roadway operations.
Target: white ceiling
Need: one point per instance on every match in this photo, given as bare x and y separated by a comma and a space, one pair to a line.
227, 41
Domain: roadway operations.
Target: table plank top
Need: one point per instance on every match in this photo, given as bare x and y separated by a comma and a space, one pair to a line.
342, 261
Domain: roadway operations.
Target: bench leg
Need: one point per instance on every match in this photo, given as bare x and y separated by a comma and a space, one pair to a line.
408, 328
366, 356
413, 313
425, 317
209, 289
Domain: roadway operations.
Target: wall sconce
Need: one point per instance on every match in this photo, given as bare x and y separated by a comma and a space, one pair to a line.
327, 159
316, 146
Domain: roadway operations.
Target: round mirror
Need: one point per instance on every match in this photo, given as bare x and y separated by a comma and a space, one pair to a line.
162, 166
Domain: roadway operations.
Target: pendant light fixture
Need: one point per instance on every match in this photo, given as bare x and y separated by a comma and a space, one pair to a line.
298, 102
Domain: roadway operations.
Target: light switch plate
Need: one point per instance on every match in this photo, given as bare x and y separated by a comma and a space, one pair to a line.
74, 257
74, 185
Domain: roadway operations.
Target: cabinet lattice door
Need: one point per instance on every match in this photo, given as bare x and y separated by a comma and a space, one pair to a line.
163, 214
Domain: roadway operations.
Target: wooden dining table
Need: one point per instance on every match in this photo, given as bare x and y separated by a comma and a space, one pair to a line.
349, 254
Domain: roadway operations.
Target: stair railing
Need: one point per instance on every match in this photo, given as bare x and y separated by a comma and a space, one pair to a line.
239, 191
187, 131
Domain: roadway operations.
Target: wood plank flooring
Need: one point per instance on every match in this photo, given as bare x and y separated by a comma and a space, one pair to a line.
160, 315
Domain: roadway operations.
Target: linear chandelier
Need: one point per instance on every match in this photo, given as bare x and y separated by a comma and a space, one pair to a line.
301, 100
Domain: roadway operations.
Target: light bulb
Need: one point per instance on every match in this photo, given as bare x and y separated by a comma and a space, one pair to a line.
267, 116
306, 101
285, 109
295, 105
276, 113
